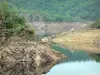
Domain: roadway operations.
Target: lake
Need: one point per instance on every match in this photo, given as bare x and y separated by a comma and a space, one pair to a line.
78, 63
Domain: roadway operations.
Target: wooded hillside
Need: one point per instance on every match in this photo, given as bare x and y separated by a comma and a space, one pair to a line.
58, 10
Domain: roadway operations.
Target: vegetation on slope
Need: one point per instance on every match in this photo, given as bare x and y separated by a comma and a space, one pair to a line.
58, 10
96, 24
11, 21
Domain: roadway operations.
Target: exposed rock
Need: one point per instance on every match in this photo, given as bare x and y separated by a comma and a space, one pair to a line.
44, 40
20, 55
97, 42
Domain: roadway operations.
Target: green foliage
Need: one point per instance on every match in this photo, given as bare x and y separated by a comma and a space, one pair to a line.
58, 10
96, 24
11, 21
9, 18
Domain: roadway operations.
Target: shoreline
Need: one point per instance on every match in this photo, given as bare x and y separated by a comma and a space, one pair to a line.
87, 40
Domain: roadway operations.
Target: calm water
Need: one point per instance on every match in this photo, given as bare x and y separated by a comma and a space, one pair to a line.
78, 63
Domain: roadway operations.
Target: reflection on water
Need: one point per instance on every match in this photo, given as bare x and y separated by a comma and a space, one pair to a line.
78, 63
89, 47
96, 57
72, 55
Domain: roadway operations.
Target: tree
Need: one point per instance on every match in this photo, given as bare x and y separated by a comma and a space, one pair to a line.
10, 19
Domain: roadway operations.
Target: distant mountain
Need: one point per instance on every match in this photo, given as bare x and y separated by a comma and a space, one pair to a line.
59, 10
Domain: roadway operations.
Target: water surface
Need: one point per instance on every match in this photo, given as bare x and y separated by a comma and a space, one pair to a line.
78, 63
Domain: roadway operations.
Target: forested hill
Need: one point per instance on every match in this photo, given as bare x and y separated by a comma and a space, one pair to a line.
59, 10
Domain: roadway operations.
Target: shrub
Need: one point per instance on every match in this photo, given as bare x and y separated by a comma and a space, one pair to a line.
96, 24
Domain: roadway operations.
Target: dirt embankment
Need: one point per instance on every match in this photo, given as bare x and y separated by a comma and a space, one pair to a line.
21, 55
88, 40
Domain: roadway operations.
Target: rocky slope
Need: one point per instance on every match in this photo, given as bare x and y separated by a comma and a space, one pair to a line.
21, 55
43, 28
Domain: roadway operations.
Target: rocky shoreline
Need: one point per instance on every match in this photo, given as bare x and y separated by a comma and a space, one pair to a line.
21, 55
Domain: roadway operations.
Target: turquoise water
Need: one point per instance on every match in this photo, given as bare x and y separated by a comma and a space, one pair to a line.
76, 68
78, 63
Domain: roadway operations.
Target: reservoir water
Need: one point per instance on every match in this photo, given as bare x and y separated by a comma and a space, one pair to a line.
78, 63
